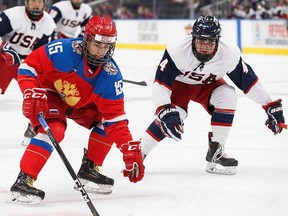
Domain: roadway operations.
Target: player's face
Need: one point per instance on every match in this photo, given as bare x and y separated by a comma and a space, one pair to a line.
98, 49
35, 5
77, 2
205, 47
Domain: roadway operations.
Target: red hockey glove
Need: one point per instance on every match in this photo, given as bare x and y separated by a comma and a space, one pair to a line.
132, 156
168, 118
35, 101
274, 111
10, 55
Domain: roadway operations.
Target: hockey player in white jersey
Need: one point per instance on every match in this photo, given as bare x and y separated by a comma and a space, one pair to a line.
192, 69
22, 30
70, 17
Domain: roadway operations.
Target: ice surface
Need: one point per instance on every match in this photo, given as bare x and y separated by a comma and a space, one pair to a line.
175, 182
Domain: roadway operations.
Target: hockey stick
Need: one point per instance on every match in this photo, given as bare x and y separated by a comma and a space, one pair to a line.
92, 3
283, 125
67, 164
141, 83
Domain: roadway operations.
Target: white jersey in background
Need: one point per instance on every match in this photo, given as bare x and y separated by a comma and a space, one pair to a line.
68, 19
23, 34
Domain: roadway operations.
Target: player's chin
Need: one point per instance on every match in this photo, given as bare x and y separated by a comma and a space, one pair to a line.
205, 52
98, 56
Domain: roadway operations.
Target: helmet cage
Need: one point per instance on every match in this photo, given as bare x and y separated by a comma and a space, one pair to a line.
91, 59
103, 30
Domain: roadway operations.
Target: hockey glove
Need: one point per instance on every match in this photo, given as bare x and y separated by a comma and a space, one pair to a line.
35, 102
132, 157
274, 111
168, 118
10, 55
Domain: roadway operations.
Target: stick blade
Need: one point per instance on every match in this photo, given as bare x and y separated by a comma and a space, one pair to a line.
141, 83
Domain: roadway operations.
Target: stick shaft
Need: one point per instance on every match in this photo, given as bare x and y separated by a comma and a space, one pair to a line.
67, 164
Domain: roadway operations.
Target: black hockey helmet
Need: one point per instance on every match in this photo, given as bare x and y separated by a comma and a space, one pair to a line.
206, 27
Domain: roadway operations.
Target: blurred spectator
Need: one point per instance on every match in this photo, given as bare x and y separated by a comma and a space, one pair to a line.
148, 14
140, 12
279, 10
124, 13
97, 11
4, 6
107, 9
259, 9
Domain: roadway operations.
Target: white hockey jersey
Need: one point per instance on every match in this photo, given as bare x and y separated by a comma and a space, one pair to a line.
23, 34
179, 63
69, 20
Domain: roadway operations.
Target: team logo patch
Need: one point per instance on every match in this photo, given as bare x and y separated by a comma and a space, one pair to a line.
110, 68
77, 46
67, 91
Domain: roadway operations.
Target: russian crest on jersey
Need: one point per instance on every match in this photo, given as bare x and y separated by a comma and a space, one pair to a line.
77, 46
110, 68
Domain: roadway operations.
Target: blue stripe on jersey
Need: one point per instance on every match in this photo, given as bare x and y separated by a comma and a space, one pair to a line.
155, 131
85, 22
44, 40
243, 79
168, 71
25, 72
59, 14
42, 144
107, 124
5, 25
221, 118
97, 130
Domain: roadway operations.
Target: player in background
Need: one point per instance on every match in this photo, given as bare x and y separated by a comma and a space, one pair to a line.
22, 30
78, 79
192, 69
70, 17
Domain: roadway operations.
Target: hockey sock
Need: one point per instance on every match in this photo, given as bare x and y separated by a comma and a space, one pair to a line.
36, 155
98, 146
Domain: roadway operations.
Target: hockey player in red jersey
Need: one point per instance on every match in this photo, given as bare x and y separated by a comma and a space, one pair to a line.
76, 79
192, 69
22, 30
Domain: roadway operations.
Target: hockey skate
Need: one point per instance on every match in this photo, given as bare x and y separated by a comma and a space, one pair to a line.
23, 192
28, 135
218, 161
91, 179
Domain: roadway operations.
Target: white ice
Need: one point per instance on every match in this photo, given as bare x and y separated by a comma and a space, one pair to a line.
175, 181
